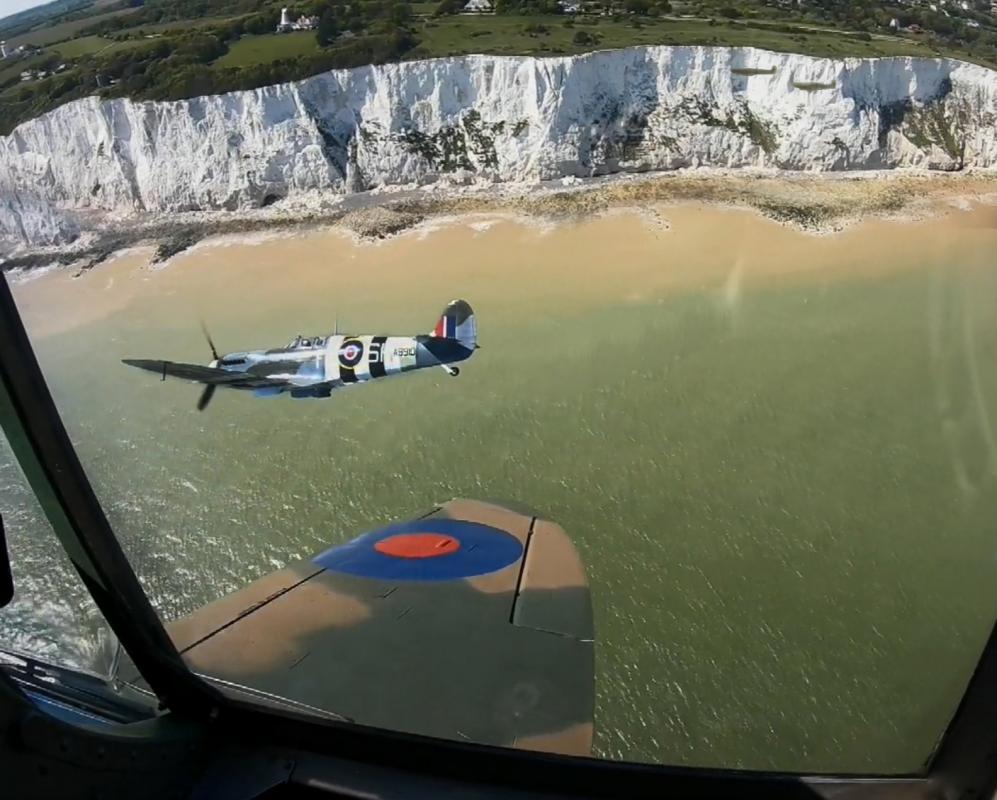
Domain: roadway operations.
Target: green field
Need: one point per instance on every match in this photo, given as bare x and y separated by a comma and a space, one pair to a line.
271, 47
506, 35
87, 45
178, 26
63, 30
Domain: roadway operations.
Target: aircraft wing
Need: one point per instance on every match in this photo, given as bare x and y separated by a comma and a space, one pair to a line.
472, 622
211, 376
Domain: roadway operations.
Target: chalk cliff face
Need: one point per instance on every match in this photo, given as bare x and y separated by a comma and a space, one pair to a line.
493, 119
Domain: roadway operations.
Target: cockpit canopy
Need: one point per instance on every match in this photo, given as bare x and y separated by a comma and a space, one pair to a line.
307, 342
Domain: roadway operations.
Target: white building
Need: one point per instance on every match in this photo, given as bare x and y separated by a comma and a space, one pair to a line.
568, 7
477, 7
894, 24
302, 23
3, 49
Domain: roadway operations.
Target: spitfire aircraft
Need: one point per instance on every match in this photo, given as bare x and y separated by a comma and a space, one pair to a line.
314, 366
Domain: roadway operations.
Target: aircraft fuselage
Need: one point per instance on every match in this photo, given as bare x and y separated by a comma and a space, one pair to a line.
314, 366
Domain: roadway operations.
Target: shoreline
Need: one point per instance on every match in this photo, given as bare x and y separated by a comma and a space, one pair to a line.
815, 203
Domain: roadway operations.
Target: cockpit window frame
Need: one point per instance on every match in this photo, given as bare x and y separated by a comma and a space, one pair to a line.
964, 763
42, 447
301, 342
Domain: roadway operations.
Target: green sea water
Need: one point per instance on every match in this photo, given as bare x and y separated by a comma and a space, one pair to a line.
783, 490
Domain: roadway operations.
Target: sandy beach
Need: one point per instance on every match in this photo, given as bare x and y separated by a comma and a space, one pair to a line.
818, 203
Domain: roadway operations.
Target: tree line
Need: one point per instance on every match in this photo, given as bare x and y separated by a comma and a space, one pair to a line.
179, 67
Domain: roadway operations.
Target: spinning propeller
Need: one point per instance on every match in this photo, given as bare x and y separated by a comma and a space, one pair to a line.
209, 390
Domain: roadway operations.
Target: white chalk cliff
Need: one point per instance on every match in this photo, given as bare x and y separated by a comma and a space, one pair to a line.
496, 119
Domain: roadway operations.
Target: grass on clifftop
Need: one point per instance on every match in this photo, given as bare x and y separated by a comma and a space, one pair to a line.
555, 35
92, 45
267, 48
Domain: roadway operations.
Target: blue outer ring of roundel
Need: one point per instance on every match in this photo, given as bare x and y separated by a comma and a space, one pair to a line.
483, 549
351, 352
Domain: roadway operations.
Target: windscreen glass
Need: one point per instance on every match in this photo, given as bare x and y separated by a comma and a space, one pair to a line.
51, 617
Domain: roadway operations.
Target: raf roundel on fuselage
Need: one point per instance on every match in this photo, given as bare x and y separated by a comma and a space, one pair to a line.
316, 366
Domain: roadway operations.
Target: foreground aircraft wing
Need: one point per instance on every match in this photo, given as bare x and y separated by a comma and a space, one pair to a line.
472, 622
211, 376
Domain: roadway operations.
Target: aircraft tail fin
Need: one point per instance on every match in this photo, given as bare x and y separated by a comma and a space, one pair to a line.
457, 322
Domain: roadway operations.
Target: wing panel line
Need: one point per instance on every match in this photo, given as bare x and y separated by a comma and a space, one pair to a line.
253, 608
522, 570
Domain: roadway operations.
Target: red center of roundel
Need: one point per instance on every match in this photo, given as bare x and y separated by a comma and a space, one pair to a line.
418, 545
350, 352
